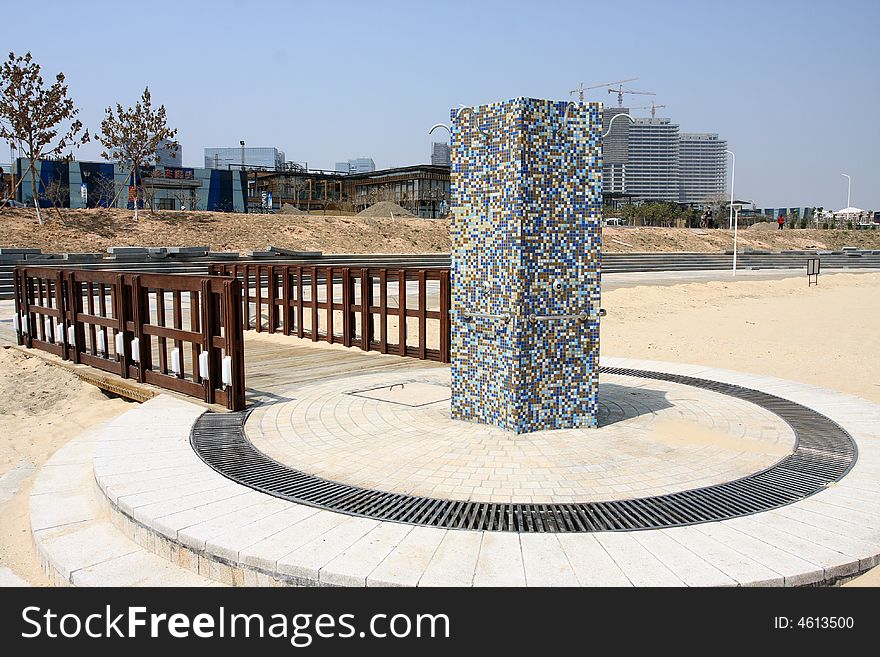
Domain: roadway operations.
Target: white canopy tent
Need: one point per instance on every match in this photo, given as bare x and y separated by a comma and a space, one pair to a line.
850, 211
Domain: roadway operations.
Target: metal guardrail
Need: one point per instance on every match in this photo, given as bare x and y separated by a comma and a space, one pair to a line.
133, 325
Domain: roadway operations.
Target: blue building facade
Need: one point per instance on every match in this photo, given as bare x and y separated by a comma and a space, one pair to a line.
73, 184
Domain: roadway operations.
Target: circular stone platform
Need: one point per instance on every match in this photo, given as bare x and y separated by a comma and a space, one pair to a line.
813, 517
393, 432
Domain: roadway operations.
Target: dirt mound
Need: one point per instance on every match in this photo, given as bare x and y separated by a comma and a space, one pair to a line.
764, 225
385, 209
78, 231
287, 208
94, 230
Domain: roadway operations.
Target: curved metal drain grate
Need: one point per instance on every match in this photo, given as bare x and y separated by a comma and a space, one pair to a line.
824, 453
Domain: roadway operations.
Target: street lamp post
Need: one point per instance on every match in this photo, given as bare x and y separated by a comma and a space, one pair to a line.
848, 189
733, 224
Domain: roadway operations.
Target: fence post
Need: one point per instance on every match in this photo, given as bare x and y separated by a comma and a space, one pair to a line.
235, 397
18, 284
247, 297
285, 299
299, 301
122, 311
383, 310
346, 307
74, 301
423, 314
366, 316
209, 378
401, 309
59, 306
273, 297
445, 319
138, 311
314, 304
328, 297
258, 299
195, 315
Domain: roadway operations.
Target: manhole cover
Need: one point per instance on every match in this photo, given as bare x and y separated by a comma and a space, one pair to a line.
408, 394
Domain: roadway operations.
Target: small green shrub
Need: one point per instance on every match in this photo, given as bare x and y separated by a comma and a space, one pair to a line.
792, 223
824, 225
803, 223
849, 224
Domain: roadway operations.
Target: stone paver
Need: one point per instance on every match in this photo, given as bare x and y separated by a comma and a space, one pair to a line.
545, 562
641, 567
500, 562
76, 543
355, 563
655, 437
455, 560
405, 565
591, 563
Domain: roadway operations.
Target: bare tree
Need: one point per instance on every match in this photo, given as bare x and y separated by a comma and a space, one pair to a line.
57, 194
187, 199
133, 136
104, 190
32, 115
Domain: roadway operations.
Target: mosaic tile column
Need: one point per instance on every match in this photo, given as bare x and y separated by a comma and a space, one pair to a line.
526, 234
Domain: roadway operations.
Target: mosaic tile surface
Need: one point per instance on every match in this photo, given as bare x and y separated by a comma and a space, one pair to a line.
526, 233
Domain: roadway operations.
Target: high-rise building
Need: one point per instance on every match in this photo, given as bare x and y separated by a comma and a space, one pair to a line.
356, 165
615, 150
652, 171
702, 167
169, 157
440, 154
234, 157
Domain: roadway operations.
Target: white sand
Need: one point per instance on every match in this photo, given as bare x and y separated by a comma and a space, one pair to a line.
41, 408
826, 336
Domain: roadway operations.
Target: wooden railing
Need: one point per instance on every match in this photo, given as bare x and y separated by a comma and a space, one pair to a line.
132, 325
392, 311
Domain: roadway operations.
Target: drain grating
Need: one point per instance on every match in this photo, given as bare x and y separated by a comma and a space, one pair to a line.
824, 453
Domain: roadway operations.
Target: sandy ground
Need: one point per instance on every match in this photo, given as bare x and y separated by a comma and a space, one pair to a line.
96, 229
825, 335
41, 408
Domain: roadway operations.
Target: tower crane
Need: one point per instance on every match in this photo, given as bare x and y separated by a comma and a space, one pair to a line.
653, 107
618, 88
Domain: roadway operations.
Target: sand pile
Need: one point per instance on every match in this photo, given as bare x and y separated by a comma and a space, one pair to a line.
385, 209
287, 208
765, 225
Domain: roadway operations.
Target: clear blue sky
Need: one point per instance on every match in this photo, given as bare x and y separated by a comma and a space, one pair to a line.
793, 86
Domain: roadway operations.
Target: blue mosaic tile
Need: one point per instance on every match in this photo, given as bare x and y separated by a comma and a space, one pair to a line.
526, 243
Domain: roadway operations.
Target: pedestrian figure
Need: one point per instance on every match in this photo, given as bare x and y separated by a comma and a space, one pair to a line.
781, 221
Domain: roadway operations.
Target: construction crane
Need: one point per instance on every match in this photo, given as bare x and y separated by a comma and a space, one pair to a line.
579, 91
620, 90
653, 107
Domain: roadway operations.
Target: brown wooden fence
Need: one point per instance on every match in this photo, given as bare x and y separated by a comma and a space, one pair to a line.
179, 332
394, 311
